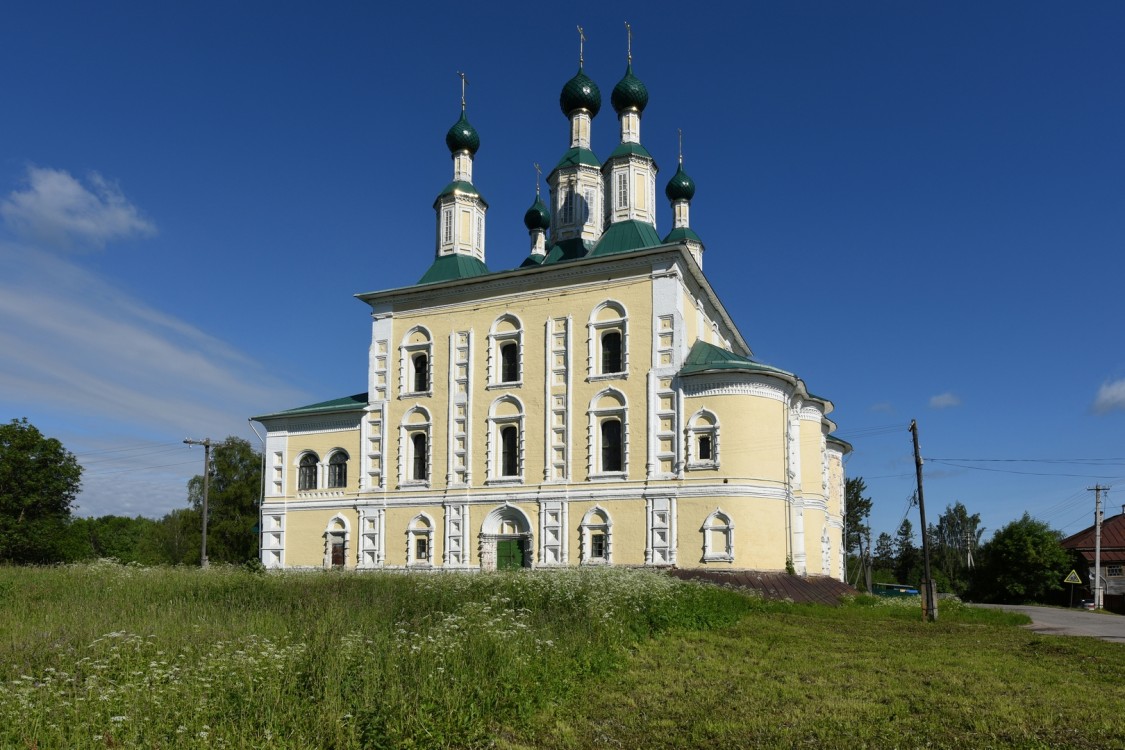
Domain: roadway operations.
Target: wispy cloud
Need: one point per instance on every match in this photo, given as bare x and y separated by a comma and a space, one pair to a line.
1111, 397
56, 209
883, 407
945, 400
82, 354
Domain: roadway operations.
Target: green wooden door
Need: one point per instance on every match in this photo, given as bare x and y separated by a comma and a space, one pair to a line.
508, 554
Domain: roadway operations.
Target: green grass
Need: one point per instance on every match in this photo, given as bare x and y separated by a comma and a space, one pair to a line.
858, 676
105, 655
122, 656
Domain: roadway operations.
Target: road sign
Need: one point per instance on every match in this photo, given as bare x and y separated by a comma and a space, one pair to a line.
1072, 578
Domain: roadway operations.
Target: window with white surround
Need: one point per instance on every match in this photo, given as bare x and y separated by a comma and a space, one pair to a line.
1113, 571
566, 210
505, 441
608, 342
415, 449
596, 540
420, 541
338, 470
718, 538
505, 352
703, 441
416, 368
337, 539
308, 466
622, 190
608, 435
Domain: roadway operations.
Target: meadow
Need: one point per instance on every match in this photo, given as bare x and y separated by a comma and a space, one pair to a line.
106, 655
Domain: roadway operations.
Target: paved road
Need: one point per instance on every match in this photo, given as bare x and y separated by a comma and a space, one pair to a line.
1056, 621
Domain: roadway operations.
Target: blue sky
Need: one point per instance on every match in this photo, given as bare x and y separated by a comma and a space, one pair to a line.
917, 207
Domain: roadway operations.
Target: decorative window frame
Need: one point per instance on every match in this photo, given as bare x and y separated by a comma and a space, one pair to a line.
407, 430
595, 330
333, 462
598, 414
407, 353
496, 341
494, 444
420, 527
596, 520
718, 523
331, 533
703, 424
316, 471
1114, 570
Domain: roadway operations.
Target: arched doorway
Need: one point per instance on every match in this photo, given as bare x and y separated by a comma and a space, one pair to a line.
506, 540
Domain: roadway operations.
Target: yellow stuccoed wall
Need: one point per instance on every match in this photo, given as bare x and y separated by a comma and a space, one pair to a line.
304, 536
751, 435
322, 444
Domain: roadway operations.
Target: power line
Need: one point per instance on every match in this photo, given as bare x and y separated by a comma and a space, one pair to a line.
1009, 471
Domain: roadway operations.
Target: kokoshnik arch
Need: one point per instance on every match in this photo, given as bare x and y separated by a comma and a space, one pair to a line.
594, 406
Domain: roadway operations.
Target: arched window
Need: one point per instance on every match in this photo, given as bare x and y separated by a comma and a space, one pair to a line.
718, 538
337, 538
420, 541
595, 537
306, 472
338, 470
505, 351
608, 341
416, 372
415, 447
609, 435
703, 441
505, 441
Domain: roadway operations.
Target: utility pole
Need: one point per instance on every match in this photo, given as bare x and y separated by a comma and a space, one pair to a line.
968, 549
1097, 490
929, 590
206, 443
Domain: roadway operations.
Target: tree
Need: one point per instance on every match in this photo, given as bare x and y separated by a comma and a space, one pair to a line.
233, 497
955, 533
857, 509
907, 558
884, 552
39, 480
1023, 562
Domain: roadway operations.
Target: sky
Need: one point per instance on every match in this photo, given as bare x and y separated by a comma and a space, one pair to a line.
917, 207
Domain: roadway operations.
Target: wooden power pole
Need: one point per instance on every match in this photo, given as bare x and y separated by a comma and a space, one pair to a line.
206, 443
929, 590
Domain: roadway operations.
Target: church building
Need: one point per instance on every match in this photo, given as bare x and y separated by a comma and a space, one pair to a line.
594, 406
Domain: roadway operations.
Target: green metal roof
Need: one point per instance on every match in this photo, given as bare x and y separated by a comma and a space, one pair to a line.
634, 149
629, 92
532, 260
462, 187
623, 236
844, 443
347, 403
571, 249
680, 234
575, 156
455, 266
705, 357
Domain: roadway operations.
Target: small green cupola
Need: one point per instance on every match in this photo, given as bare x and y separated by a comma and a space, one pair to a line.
537, 219
629, 93
576, 210
462, 137
460, 209
680, 190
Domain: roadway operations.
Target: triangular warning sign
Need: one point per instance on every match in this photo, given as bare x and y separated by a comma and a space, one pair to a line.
1072, 578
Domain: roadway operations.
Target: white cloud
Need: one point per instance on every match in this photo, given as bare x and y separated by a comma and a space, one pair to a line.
884, 407
58, 210
1111, 397
944, 400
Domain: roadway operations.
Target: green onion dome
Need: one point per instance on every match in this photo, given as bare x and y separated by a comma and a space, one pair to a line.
462, 137
580, 92
629, 93
537, 217
680, 187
